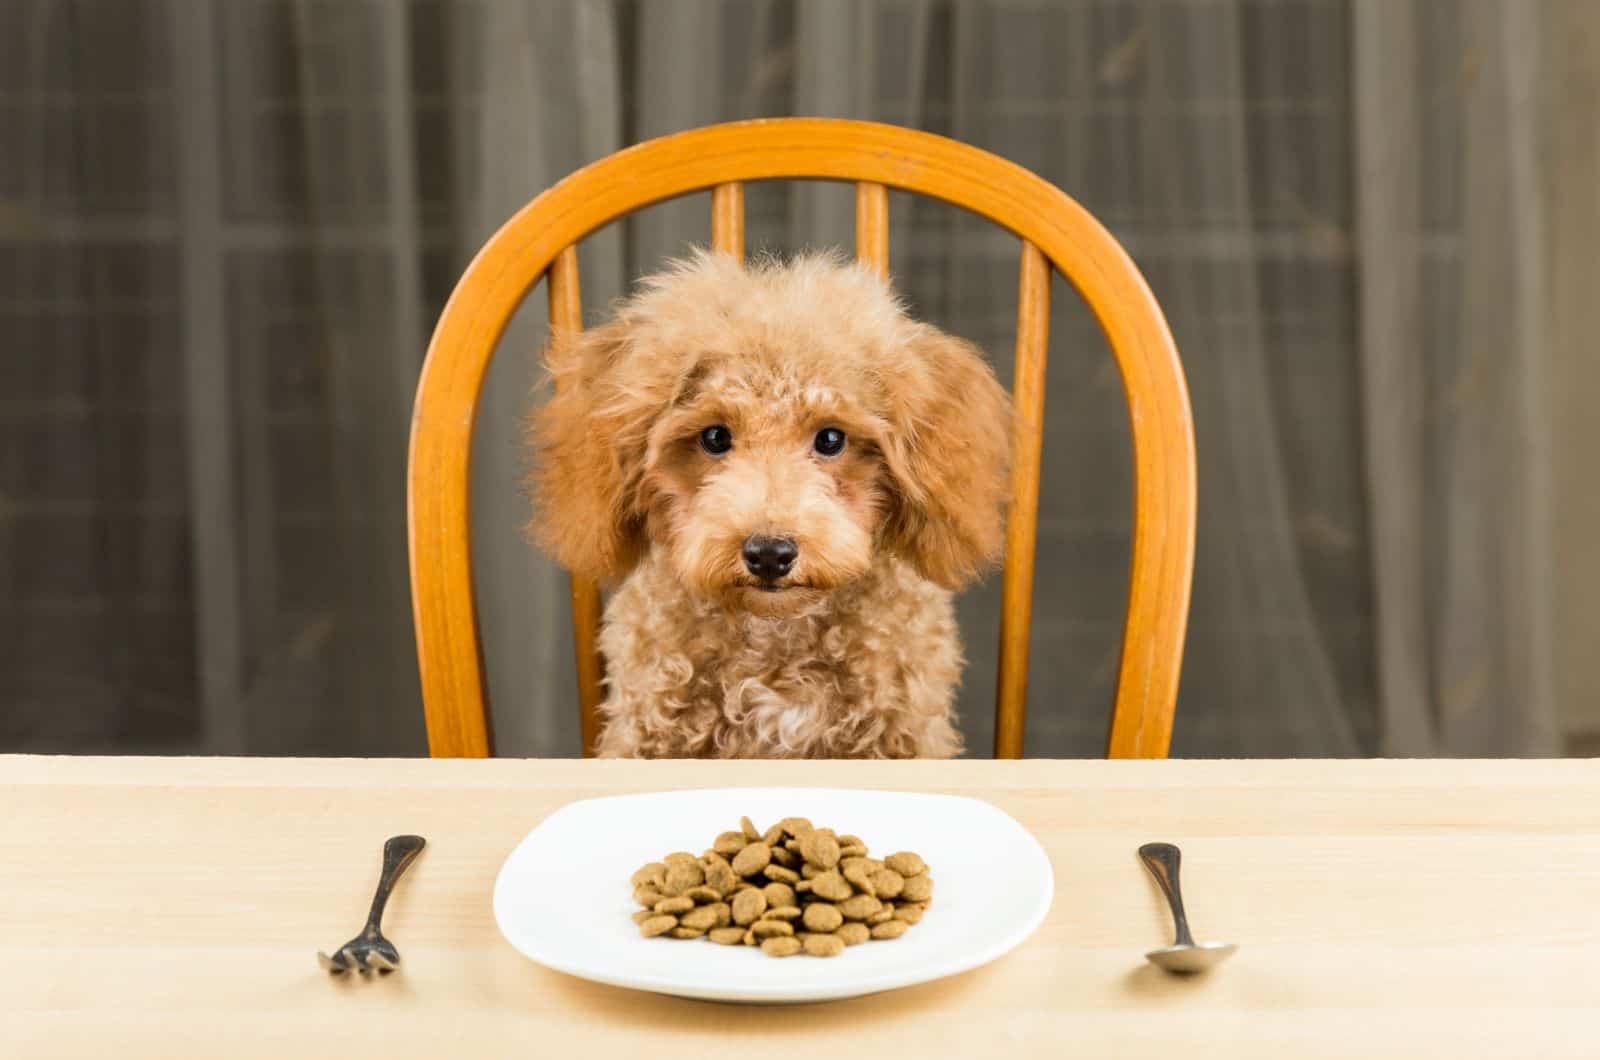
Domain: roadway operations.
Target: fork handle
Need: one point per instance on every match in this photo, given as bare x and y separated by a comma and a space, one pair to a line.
398, 854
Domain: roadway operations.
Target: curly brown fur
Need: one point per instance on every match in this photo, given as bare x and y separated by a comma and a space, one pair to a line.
853, 652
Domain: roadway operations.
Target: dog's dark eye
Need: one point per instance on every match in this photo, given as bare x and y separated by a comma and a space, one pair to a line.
716, 440
829, 441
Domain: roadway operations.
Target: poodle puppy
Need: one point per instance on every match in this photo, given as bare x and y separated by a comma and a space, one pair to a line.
782, 477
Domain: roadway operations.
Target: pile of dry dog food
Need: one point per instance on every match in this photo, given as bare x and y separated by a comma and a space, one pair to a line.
790, 889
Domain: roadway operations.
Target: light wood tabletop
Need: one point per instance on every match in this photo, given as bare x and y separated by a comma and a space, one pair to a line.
172, 907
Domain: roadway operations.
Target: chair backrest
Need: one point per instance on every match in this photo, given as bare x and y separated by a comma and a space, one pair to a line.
540, 240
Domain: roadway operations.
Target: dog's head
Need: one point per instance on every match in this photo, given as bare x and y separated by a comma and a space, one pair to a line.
772, 429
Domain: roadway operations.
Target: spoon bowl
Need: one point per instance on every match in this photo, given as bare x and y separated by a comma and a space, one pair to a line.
1186, 960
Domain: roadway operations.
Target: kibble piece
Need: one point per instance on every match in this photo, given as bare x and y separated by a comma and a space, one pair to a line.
779, 894
852, 841
657, 925
730, 843
910, 912
887, 883
721, 877
682, 875
749, 829
647, 896
795, 826
782, 912
762, 929
687, 932
785, 857
684, 863
820, 916
917, 888
674, 906
853, 933
773, 836
832, 886
906, 864
642, 915
726, 936
860, 907
890, 929
703, 894
820, 849
809, 871
860, 876
748, 905
802, 886
752, 859
852, 850
823, 945
791, 845
779, 874
650, 875
702, 919
886, 913
781, 947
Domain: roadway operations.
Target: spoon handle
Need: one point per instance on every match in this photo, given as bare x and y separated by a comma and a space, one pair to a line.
1162, 860
398, 854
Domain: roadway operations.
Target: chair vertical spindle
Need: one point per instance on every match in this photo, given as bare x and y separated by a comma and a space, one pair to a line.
1016, 605
872, 226
566, 314
727, 219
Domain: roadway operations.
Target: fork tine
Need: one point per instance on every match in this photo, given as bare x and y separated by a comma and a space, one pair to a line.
380, 962
332, 964
354, 958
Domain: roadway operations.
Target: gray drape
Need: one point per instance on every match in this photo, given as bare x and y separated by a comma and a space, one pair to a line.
1368, 221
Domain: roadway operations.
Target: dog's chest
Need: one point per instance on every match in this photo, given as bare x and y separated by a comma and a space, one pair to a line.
868, 679
797, 691
824, 687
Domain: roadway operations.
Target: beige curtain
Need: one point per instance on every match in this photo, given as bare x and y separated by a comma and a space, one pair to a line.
1569, 70
1368, 221
1464, 144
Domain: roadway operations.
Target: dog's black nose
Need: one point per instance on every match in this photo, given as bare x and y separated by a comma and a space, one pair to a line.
769, 558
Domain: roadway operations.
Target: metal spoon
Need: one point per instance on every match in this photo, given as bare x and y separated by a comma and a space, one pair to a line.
1184, 955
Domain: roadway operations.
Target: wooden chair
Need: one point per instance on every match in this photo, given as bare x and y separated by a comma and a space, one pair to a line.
540, 240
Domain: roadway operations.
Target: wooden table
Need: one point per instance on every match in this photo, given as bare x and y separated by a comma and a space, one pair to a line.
171, 907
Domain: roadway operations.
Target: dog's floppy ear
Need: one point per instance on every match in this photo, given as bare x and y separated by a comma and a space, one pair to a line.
589, 444
948, 454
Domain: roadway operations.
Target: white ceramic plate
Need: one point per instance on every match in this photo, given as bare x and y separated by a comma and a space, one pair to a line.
563, 897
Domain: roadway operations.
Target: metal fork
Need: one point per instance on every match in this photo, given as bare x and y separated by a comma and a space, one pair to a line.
370, 951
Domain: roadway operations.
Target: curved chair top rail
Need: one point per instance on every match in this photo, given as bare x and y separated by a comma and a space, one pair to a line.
1041, 214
